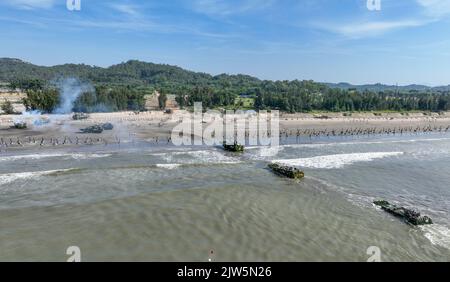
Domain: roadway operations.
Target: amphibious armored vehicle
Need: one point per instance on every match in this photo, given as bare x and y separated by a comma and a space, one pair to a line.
20, 125
290, 172
107, 126
92, 129
233, 148
80, 116
409, 216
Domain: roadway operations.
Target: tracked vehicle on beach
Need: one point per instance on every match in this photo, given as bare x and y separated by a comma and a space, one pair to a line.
20, 125
107, 126
80, 116
92, 129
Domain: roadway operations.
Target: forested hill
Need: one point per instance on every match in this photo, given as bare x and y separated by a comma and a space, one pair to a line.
124, 86
139, 73
134, 73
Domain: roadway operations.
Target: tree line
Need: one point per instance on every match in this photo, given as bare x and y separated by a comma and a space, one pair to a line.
307, 96
294, 96
102, 99
298, 99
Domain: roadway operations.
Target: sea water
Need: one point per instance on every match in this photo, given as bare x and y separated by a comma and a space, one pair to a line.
180, 203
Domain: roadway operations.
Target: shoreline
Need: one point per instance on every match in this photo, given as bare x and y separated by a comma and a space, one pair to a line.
154, 128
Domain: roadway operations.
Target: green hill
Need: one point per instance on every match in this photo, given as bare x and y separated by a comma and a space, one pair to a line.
134, 73
123, 86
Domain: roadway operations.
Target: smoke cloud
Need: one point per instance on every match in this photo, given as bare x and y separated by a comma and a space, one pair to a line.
70, 89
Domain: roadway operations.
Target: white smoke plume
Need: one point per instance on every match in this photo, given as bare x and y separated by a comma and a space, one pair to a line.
70, 89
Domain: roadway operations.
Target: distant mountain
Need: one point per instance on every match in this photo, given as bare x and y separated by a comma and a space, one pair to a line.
378, 87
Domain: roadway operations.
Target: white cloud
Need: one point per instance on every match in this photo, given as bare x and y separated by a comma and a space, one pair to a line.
365, 29
375, 28
31, 4
431, 11
126, 9
435, 8
229, 7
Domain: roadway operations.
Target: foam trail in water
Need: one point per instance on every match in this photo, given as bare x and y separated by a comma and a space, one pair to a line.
11, 177
336, 161
437, 234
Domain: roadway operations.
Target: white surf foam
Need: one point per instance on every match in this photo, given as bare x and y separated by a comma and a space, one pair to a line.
11, 177
168, 166
87, 156
198, 157
76, 156
264, 152
319, 145
336, 161
437, 234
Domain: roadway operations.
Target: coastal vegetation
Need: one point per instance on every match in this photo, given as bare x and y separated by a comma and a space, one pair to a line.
123, 87
8, 108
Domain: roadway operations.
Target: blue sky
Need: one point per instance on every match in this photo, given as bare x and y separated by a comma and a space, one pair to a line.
407, 41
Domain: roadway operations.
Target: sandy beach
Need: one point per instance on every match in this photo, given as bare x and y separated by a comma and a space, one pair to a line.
156, 127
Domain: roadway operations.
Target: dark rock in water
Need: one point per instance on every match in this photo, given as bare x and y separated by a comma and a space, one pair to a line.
20, 125
233, 148
287, 171
80, 116
410, 216
92, 129
107, 126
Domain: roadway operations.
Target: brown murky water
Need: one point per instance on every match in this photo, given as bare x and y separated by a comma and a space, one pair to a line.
178, 204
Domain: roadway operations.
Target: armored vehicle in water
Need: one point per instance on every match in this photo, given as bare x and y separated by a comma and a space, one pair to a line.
233, 148
409, 216
290, 172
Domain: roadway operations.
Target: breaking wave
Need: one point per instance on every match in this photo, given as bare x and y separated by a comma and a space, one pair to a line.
11, 177
336, 161
168, 166
319, 145
198, 157
75, 156
87, 156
